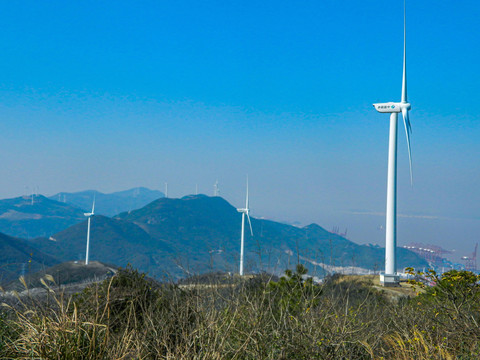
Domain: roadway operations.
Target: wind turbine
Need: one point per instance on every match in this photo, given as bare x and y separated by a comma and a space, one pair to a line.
390, 276
89, 215
244, 212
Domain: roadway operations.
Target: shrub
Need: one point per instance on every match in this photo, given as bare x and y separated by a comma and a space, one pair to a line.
294, 292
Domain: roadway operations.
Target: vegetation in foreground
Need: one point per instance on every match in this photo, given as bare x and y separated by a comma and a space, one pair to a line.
131, 317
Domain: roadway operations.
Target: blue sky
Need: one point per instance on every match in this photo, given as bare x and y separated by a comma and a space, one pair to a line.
109, 96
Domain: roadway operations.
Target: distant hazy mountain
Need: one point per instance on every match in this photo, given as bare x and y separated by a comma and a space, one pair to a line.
112, 241
24, 218
197, 234
110, 204
18, 257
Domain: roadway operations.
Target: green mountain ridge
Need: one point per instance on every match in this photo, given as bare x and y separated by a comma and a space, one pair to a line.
197, 234
209, 228
19, 257
112, 241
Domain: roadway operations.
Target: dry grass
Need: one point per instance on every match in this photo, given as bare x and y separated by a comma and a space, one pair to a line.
130, 317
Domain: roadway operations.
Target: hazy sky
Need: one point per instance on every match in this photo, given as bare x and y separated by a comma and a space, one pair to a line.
114, 95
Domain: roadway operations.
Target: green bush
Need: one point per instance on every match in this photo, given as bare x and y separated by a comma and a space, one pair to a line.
295, 292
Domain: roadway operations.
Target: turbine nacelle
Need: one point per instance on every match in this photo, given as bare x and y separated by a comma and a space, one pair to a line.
391, 107
88, 214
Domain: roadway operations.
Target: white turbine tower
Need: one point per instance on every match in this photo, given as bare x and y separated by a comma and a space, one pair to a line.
244, 212
89, 215
390, 276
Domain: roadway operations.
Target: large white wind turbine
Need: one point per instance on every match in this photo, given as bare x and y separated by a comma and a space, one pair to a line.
244, 212
390, 276
89, 215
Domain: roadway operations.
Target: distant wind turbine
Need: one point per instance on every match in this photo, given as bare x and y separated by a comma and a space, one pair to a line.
89, 215
390, 276
34, 193
244, 212
216, 190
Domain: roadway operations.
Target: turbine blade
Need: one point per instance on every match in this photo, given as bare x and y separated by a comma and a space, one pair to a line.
406, 122
246, 202
404, 79
250, 223
93, 206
